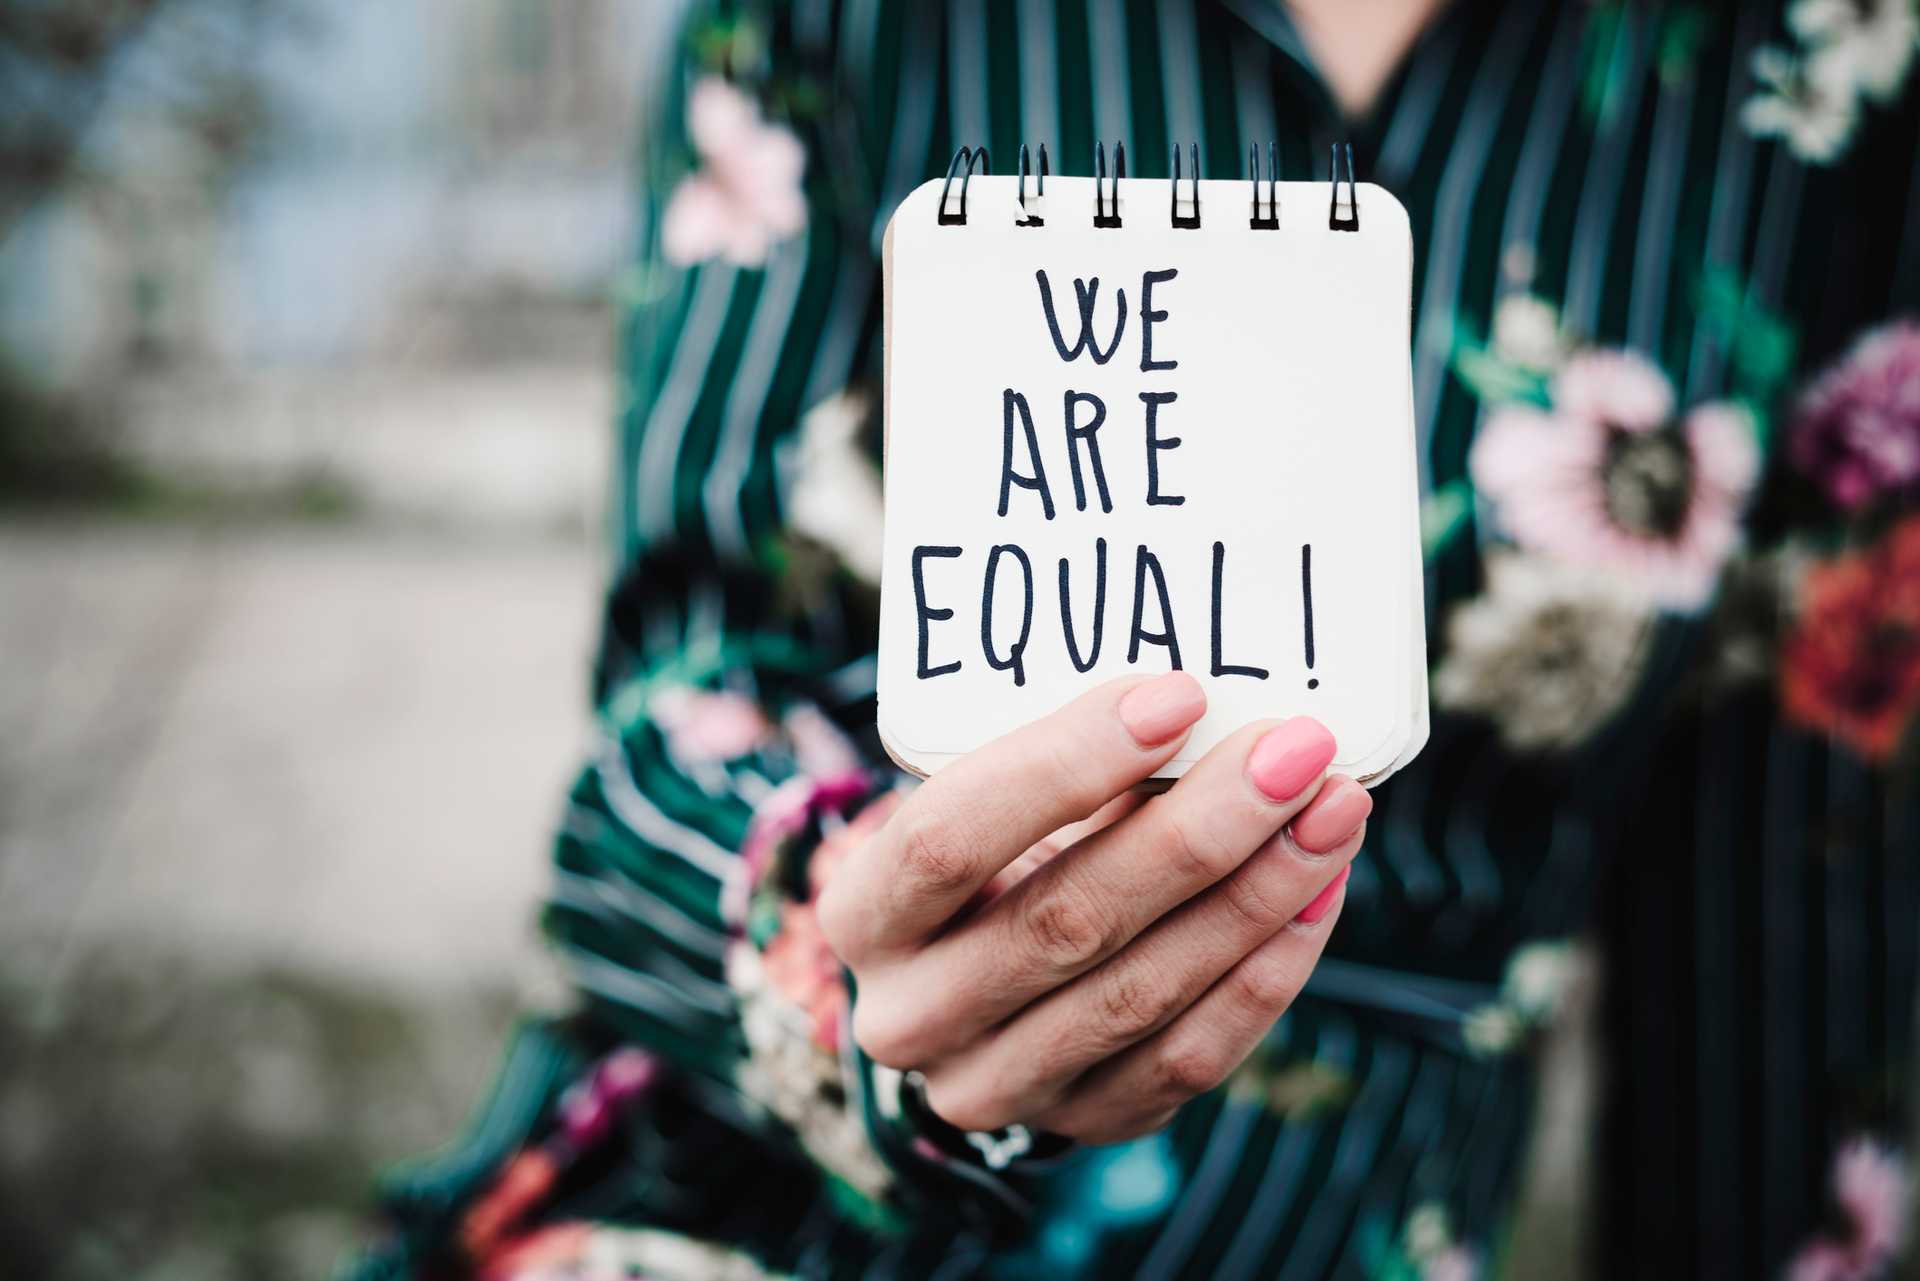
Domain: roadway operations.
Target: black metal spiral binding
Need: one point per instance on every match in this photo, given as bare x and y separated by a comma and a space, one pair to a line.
1351, 222
1039, 188
968, 156
1191, 221
1106, 192
1105, 215
1271, 221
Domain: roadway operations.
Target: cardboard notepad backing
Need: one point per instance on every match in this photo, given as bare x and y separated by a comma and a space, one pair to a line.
1215, 474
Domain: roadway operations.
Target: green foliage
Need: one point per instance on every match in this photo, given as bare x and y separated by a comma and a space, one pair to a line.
1681, 33
1760, 344
738, 48
857, 1206
1496, 381
729, 44
763, 920
1384, 1259
1493, 380
1444, 514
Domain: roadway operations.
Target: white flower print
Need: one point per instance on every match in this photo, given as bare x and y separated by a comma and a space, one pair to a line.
1849, 50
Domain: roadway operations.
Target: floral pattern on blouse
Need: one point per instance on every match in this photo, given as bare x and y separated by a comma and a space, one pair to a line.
1856, 430
1851, 664
1845, 56
1604, 478
1873, 1193
1618, 510
746, 195
794, 1007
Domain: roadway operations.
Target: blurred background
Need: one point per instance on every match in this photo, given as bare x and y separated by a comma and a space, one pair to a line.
306, 382
305, 391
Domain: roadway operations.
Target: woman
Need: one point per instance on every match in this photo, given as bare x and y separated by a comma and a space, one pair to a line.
832, 1028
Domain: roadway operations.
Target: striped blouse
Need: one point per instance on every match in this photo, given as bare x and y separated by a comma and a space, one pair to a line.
1654, 179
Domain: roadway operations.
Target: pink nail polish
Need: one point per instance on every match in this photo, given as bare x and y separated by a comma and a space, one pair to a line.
1332, 816
1290, 756
1324, 900
1154, 711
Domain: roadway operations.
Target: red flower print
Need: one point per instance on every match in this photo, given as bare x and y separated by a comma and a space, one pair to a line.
1851, 667
804, 969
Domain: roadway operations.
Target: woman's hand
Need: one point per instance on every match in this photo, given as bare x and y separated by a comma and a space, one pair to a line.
1129, 971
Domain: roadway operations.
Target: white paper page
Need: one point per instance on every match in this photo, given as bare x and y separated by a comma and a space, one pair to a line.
1423, 724
1378, 770
1291, 410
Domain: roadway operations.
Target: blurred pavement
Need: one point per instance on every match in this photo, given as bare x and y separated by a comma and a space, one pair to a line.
274, 803
326, 295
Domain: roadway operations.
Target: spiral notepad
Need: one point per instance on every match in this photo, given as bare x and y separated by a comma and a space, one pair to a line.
1140, 424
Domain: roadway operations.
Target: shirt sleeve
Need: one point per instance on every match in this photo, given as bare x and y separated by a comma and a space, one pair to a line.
730, 777
733, 759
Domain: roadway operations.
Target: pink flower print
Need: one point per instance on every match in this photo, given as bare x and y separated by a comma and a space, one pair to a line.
787, 810
1823, 1261
1871, 1185
1607, 480
707, 725
747, 193
819, 746
590, 1106
1619, 388
1856, 430
1454, 1263
836, 845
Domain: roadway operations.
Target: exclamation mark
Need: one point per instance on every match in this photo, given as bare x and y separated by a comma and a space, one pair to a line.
1306, 606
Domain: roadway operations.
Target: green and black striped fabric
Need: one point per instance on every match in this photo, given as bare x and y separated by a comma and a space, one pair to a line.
1753, 888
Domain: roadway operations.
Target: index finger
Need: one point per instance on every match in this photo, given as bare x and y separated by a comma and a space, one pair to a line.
980, 813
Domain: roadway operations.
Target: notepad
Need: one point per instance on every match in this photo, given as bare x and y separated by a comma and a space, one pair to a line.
1134, 425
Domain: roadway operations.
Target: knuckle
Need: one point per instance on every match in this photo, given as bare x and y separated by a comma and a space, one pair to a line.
1185, 1068
1252, 904
965, 1107
888, 1031
1069, 932
1130, 1002
1264, 984
1195, 851
936, 854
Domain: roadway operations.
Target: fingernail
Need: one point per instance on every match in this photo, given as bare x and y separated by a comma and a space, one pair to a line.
1332, 816
1290, 756
1156, 710
1323, 901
